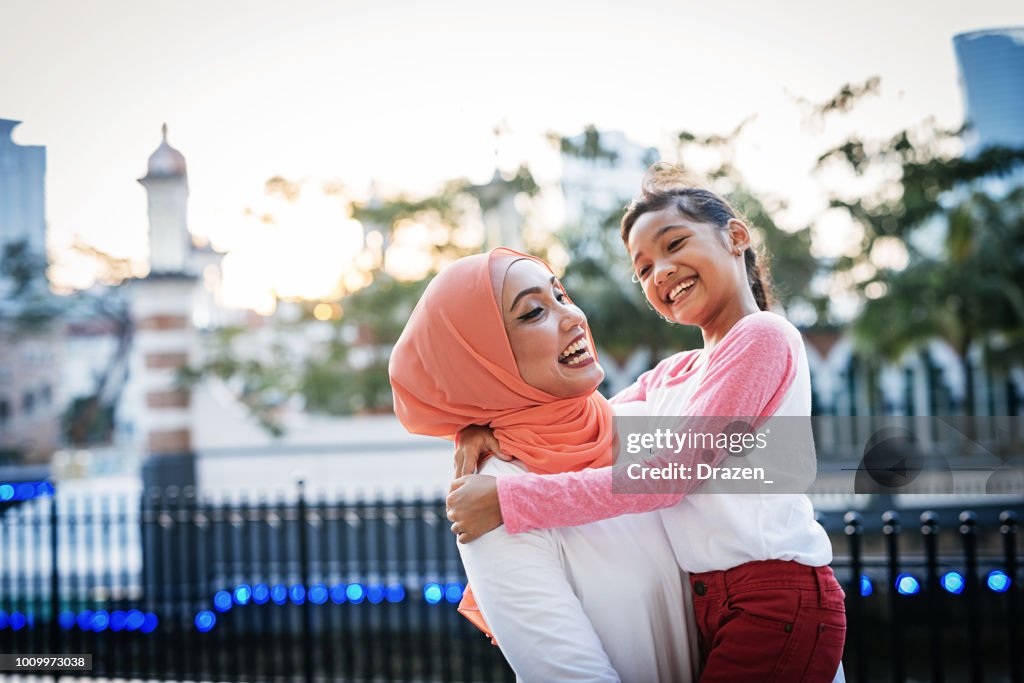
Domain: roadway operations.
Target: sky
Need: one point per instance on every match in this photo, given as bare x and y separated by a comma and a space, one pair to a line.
407, 94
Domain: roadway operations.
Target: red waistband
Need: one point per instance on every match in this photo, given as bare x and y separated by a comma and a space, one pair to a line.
767, 573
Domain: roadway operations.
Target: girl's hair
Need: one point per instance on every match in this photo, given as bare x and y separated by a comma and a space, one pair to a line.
666, 185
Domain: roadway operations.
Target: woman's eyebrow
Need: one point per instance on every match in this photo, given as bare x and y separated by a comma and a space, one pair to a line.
528, 290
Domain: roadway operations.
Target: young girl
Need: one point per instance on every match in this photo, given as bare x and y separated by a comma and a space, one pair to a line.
767, 604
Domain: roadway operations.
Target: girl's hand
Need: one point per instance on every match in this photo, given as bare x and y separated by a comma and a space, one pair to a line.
473, 506
474, 442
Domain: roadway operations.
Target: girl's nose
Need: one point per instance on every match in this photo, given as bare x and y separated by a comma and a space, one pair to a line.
663, 271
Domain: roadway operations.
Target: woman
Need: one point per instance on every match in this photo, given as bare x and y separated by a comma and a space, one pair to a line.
495, 340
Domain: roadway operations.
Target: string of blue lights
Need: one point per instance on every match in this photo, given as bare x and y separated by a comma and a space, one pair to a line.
98, 621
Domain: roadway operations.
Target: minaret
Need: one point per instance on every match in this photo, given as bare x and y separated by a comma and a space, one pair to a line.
166, 183
165, 336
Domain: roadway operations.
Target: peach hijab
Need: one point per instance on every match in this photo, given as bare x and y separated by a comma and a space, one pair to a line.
453, 367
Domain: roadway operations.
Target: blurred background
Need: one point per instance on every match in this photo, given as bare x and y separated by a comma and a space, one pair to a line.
215, 220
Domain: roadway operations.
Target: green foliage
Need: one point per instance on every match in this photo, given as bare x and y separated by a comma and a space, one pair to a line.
263, 385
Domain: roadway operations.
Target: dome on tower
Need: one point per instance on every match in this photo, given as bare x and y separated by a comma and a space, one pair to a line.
165, 162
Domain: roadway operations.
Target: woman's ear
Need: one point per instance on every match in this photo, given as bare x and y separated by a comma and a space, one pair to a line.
738, 236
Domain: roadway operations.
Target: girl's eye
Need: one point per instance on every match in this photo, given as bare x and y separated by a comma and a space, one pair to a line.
561, 298
532, 314
643, 272
675, 243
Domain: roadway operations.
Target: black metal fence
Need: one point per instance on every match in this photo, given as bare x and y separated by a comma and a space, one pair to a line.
174, 587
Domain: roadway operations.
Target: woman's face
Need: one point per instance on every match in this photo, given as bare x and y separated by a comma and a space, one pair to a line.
689, 271
547, 333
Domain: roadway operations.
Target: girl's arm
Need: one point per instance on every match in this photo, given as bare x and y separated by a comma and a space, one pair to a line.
748, 374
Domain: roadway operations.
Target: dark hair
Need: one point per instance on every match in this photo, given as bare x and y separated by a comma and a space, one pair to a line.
666, 185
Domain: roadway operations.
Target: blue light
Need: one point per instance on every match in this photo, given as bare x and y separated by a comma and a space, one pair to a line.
3, 620
222, 601
84, 618
318, 594
433, 593
242, 594
375, 593
205, 620
44, 488
66, 620
279, 594
6, 492
355, 593
25, 491
149, 623
18, 621
260, 593
907, 584
117, 619
338, 593
453, 592
998, 581
298, 594
394, 593
866, 588
100, 620
134, 620
953, 582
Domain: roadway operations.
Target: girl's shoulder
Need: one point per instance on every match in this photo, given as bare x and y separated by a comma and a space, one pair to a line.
765, 331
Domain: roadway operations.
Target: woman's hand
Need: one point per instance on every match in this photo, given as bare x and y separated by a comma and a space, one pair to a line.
474, 442
473, 506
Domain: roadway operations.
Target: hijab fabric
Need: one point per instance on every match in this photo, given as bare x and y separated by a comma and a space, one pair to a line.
453, 367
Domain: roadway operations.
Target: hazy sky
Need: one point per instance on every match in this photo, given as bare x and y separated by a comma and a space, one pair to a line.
408, 92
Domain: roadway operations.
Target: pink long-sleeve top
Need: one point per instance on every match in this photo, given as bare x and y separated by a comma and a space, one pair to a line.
759, 369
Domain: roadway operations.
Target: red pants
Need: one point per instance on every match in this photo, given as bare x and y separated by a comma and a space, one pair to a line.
769, 621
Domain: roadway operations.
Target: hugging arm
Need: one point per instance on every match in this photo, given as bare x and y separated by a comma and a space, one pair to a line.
747, 376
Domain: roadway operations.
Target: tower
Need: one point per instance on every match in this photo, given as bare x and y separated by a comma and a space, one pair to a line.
165, 336
166, 183
22, 191
992, 80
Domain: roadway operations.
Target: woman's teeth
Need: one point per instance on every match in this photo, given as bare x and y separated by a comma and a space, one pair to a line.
680, 288
575, 353
576, 360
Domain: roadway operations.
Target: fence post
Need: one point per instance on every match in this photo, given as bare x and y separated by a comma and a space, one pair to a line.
930, 531
55, 634
891, 530
854, 530
1008, 530
307, 616
969, 536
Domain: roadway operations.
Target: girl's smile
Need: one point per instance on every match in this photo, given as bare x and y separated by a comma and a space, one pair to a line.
691, 272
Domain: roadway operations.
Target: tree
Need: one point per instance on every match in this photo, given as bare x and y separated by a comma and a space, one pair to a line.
33, 308
964, 280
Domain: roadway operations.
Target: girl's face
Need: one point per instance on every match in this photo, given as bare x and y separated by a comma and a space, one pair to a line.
690, 272
547, 333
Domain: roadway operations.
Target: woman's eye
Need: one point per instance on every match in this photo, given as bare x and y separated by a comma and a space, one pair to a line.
532, 314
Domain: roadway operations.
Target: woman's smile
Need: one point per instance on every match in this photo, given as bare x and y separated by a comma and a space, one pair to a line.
547, 333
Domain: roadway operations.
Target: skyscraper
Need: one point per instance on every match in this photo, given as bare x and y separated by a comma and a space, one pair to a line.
992, 79
22, 191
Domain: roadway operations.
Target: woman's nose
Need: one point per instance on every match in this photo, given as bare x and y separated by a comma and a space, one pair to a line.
573, 317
